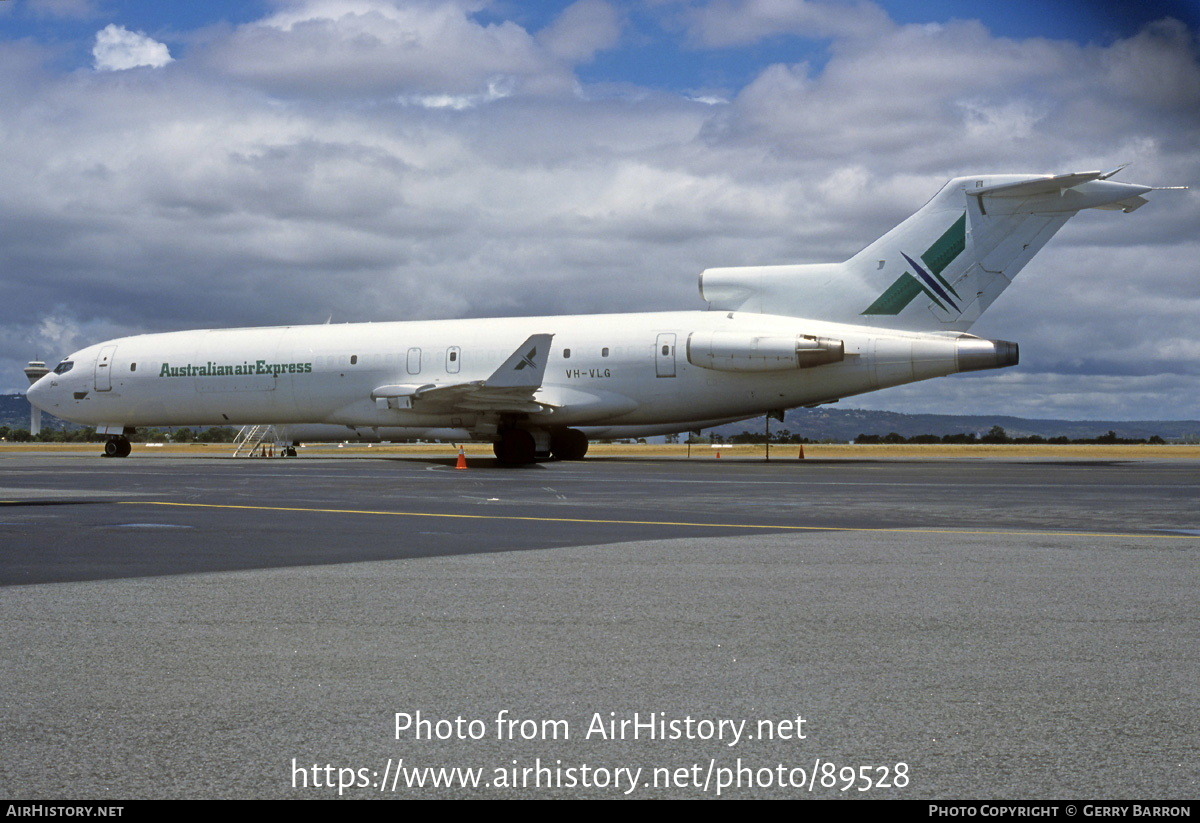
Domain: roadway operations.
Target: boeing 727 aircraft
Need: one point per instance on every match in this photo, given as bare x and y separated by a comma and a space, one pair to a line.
773, 338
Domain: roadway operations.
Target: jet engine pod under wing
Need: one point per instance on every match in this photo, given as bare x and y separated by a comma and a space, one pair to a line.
750, 352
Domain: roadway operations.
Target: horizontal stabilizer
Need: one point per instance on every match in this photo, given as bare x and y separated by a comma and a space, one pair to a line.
1059, 193
1048, 184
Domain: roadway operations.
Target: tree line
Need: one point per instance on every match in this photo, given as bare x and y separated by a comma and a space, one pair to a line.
997, 434
212, 434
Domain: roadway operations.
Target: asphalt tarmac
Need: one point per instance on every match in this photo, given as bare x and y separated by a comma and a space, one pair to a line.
181, 627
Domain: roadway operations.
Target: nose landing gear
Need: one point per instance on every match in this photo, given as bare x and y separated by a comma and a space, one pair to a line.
118, 446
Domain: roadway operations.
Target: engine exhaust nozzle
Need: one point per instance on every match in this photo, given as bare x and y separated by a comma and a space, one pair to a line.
975, 354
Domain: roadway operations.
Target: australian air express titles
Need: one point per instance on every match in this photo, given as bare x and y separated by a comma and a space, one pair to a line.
211, 369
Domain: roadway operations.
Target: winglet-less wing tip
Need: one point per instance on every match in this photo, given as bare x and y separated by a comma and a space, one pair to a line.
526, 366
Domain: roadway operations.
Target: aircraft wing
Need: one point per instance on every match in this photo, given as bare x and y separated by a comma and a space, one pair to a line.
509, 389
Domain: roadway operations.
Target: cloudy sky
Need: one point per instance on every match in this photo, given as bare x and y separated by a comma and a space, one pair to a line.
184, 165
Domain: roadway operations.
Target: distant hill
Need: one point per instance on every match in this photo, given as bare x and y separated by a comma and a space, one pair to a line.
14, 413
839, 424
824, 423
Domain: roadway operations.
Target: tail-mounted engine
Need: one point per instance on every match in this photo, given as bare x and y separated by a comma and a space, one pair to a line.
747, 352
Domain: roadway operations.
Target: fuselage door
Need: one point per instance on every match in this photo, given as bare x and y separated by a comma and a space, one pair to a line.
664, 355
414, 361
453, 360
104, 368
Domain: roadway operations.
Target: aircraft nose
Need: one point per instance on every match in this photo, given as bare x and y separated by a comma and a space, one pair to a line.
38, 393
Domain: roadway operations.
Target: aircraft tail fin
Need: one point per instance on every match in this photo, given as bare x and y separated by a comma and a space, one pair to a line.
939, 269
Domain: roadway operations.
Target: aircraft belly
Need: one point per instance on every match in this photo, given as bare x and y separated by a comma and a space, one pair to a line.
366, 413
703, 394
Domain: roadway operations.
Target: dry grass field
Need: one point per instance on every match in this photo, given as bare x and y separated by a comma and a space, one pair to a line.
698, 452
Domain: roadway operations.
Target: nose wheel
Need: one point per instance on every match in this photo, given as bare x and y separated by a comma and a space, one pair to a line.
117, 447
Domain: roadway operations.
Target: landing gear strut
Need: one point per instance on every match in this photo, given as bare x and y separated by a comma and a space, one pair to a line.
118, 446
568, 444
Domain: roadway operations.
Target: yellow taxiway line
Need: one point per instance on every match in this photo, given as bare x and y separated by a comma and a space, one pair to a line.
608, 522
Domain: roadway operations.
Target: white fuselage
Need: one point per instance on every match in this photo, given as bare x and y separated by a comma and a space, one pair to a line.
896, 312
623, 371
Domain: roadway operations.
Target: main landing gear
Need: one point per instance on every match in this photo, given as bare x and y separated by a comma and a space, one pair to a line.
516, 447
568, 444
118, 446
519, 447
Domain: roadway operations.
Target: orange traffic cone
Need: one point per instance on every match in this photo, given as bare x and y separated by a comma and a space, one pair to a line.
718, 454
801, 455
462, 459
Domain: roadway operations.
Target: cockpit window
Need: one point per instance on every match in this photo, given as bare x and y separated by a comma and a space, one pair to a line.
64, 367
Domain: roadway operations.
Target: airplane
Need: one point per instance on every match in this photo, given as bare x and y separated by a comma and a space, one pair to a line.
772, 338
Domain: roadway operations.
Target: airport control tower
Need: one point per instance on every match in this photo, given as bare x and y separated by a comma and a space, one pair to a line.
34, 372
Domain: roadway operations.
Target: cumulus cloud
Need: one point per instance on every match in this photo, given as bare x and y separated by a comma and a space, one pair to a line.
118, 48
583, 29
725, 23
376, 160
381, 47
